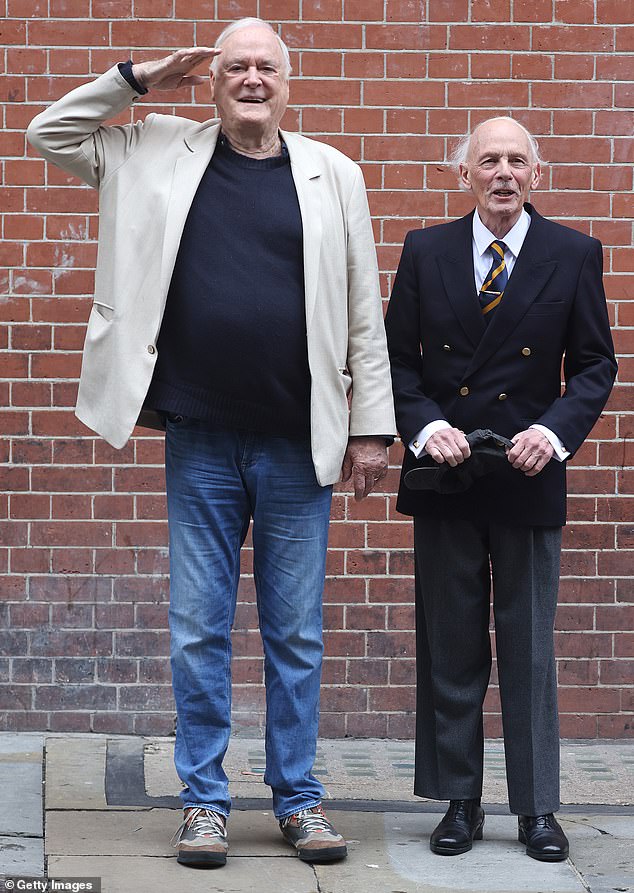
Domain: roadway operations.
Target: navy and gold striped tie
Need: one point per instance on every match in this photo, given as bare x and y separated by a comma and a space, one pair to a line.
495, 282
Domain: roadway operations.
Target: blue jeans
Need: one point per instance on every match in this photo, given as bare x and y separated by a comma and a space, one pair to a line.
216, 481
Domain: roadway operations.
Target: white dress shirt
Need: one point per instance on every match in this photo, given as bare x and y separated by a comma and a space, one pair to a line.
482, 238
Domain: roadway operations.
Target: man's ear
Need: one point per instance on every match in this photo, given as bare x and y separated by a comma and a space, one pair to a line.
465, 180
537, 175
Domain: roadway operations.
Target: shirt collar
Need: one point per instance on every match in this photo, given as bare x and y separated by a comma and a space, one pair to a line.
514, 239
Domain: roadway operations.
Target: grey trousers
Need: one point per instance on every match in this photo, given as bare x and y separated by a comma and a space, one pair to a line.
457, 562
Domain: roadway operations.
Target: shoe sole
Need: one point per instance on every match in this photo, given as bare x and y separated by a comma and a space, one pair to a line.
457, 851
202, 860
332, 854
538, 855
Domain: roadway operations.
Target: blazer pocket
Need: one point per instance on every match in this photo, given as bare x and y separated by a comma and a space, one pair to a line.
104, 310
347, 378
551, 308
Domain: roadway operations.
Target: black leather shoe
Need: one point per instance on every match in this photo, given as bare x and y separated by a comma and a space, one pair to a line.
543, 837
461, 825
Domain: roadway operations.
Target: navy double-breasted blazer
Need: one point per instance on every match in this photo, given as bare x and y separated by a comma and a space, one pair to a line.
448, 364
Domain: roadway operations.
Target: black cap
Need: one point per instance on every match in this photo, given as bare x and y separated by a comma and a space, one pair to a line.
488, 453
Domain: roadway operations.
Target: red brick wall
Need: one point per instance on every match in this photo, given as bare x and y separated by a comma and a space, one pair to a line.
393, 83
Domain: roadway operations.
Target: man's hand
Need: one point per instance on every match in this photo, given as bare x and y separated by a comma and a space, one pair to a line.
448, 445
366, 462
531, 452
172, 72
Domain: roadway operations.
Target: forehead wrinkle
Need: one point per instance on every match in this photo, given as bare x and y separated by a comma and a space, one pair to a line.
499, 147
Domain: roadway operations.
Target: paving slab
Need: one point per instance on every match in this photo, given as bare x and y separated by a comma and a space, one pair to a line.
21, 800
134, 874
75, 769
21, 784
605, 859
376, 769
21, 856
148, 833
390, 852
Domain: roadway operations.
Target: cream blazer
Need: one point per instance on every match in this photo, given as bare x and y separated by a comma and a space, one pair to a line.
147, 174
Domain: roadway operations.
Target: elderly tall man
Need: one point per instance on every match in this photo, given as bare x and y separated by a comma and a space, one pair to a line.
482, 312
237, 298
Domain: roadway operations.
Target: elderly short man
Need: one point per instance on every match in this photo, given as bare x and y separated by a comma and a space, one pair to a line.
482, 312
236, 297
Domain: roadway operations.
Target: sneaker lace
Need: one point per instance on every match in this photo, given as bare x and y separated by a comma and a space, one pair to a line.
203, 822
310, 820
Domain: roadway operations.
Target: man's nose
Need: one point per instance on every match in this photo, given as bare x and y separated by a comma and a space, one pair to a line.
504, 168
252, 77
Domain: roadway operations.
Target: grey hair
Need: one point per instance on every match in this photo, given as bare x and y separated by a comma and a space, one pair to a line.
247, 23
461, 151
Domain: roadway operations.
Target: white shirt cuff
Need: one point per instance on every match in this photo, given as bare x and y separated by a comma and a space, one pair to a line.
561, 452
417, 445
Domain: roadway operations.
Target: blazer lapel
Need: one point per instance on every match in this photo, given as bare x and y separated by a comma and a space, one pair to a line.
456, 271
188, 171
306, 176
530, 275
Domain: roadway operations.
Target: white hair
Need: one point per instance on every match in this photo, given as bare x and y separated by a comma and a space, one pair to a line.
461, 151
248, 22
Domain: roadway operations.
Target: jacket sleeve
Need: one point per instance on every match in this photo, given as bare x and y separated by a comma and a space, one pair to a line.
414, 409
589, 363
371, 404
72, 134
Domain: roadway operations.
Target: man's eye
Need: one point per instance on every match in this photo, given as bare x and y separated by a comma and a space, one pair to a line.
488, 162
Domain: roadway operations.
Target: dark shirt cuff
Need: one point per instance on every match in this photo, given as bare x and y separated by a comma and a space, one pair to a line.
126, 70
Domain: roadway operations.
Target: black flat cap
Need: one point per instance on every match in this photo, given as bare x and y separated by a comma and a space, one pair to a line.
488, 453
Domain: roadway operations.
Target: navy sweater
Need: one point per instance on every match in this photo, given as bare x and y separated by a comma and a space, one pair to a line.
232, 347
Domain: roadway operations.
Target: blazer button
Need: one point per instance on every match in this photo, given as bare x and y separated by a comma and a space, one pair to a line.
464, 391
526, 351
151, 348
446, 347
502, 396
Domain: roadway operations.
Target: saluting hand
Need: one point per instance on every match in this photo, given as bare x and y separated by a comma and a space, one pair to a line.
172, 72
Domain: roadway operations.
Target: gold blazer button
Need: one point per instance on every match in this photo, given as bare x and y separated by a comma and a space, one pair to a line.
526, 351
464, 391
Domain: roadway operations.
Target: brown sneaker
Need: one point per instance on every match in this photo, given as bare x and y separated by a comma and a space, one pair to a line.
202, 838
312, 835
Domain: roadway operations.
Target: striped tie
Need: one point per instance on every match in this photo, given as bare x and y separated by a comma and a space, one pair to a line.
495, 283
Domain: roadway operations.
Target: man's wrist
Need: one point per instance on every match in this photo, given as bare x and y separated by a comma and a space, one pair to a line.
132, 75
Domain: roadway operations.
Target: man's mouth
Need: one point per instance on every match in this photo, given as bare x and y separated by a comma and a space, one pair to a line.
504, 193
252, 99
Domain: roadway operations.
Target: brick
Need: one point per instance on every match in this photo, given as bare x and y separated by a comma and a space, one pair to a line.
585, 645
448, 10
574, 67
486, 94
613, 12
561, 38
406, 37
579, 11
493, 37
620, 726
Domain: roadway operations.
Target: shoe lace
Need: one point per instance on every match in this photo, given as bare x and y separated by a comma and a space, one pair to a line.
309, 820
203, 822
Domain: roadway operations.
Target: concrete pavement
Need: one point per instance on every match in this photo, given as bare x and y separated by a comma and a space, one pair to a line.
105, 807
